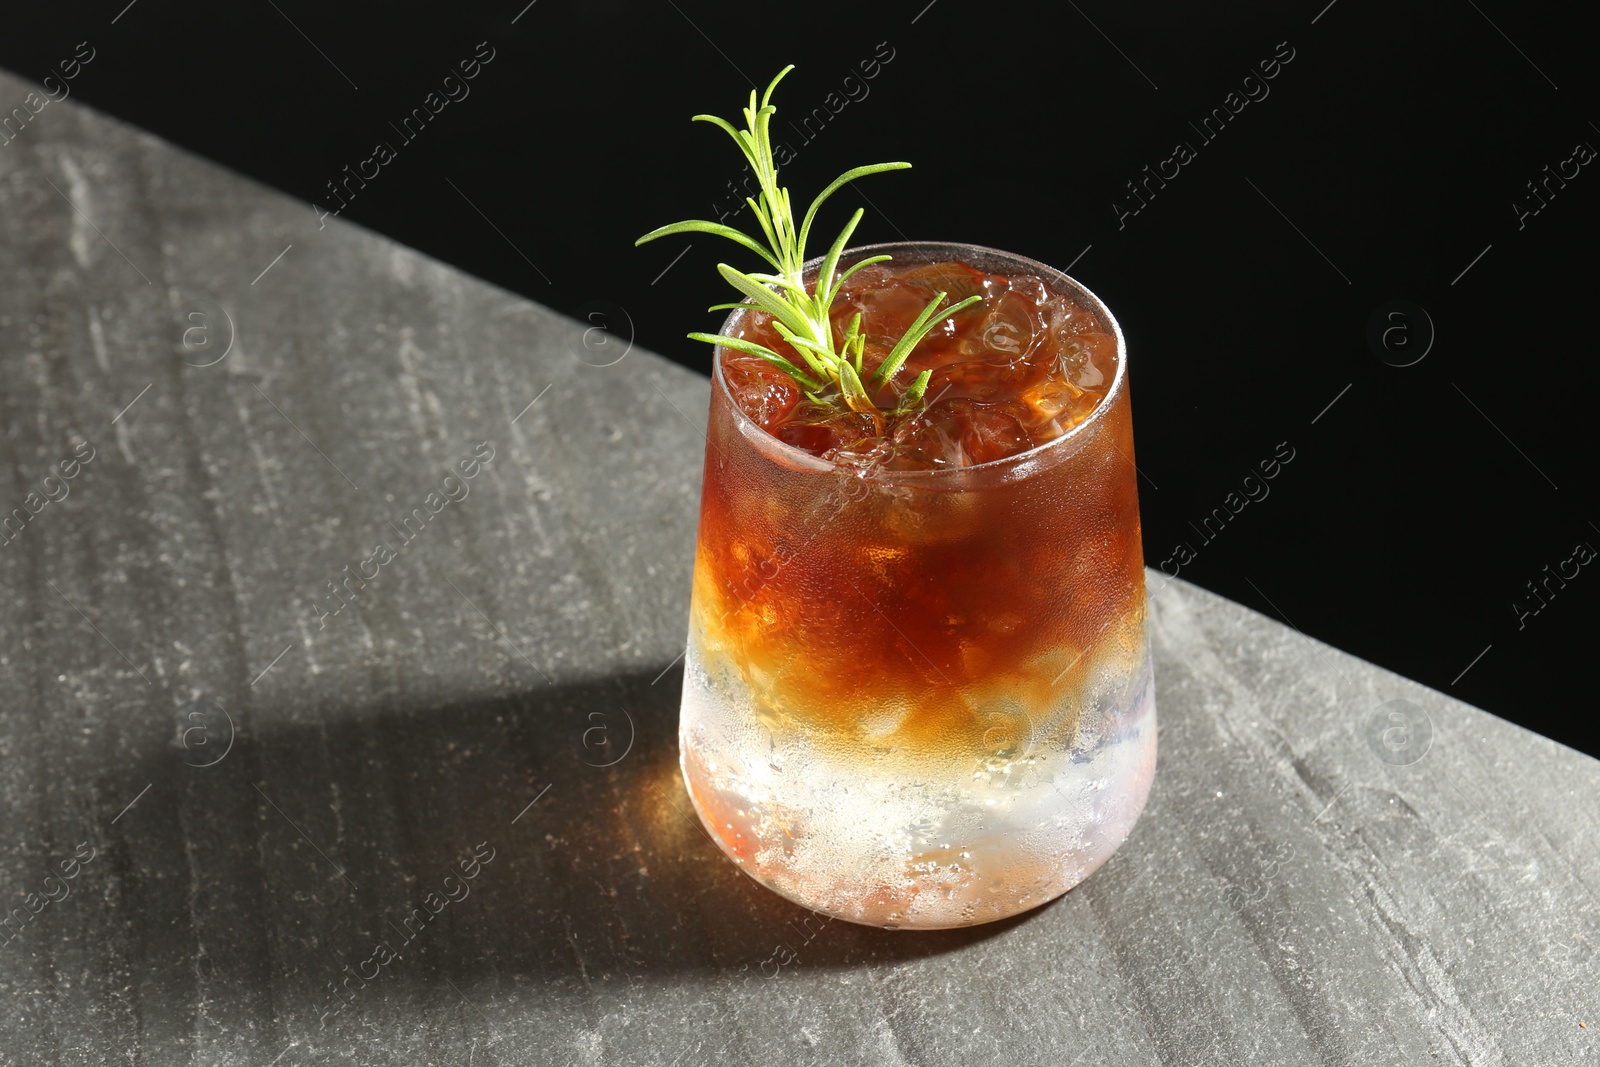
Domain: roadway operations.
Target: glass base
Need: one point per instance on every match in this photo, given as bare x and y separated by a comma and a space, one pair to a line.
937, 840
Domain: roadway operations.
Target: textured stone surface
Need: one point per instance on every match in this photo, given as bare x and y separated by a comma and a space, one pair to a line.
1305, 887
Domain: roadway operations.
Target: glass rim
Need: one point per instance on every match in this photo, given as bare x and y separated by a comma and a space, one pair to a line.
1014, 466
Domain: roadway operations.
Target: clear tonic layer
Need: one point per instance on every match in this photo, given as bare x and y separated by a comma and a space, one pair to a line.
924, 840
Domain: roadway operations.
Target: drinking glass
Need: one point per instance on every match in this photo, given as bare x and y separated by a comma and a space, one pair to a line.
921, 698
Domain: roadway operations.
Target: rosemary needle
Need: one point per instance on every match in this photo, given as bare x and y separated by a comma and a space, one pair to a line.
827, 373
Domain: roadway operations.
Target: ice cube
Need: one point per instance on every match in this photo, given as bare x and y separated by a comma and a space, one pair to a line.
1031, 288
1010, 330
959, 433
1049, 398
762, 391
863, 453
1087, 359
991, 433
1101, 362
820, 430
929, 440
956, 280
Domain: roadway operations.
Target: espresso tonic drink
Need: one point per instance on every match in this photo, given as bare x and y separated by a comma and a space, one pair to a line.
918, 689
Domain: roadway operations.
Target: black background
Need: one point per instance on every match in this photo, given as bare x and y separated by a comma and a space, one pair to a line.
1382, 166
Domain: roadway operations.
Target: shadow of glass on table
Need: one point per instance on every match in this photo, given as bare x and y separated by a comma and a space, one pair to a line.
344, 856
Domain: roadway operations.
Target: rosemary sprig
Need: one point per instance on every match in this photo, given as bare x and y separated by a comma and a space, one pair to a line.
831, 374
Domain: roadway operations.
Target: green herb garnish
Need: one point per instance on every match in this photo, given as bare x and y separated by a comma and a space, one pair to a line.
831, 373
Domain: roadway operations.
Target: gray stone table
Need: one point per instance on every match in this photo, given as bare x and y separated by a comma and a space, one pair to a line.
240, 791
